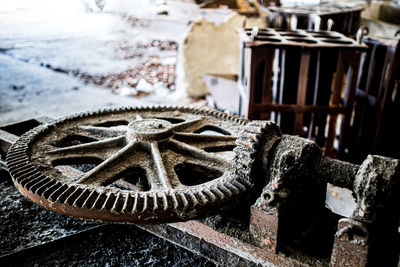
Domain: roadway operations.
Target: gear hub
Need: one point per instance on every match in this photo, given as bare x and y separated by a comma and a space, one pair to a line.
149, 129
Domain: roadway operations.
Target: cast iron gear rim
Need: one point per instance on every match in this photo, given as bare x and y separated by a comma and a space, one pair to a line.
253, 151
34, 176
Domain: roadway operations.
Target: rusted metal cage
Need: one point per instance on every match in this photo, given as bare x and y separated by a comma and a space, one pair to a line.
304, 80
324, 16
377, 101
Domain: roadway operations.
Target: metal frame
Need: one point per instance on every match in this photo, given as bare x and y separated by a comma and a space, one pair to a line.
291, 72
376, 101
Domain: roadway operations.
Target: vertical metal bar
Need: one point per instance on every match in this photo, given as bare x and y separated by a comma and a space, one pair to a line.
315, 98
362, 106
384, 88
302, 90
267, 86
254, 59
370, 69
275, 68
354, 62
337, 90
244, 85
282, 82
241, 77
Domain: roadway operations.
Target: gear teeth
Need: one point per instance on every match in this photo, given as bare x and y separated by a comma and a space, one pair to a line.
53, 197
244, 154
192, 198
218, 192
26, 176
22, 170
155, 201
73, 196
255, 137
15, 154
174, 200
145, 202
49, 190
118, 203
34, 179
244, 144
202, 198
19, 147
184, 201
210, 194
234, 190
63, 197
164, 201
109, 202
78, 203
19, 164
99, 203
11, 163
136, 200
43, 181
128, 204
43, 187
239, 185
245, 161
90, 200
15, 157
244, 171
224, 190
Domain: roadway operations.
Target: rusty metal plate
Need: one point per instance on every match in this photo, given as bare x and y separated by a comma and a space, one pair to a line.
132, 164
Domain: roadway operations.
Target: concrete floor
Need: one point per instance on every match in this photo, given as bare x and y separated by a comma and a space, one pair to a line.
43, 42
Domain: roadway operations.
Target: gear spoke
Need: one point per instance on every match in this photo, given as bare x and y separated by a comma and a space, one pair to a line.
109, 168
100, 149
104, 132
187, 124
207, 142
191, 152
162, 174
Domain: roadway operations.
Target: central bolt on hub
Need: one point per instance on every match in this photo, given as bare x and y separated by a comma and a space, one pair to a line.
149, 130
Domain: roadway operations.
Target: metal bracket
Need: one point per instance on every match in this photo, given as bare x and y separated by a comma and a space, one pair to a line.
290, 211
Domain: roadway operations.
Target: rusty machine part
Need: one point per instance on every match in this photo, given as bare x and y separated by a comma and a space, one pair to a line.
289, 224
134, 164
296, 183
324, 16
287, 221
287, 77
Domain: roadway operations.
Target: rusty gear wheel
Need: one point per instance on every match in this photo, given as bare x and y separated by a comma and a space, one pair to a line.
253, 150
132, 164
